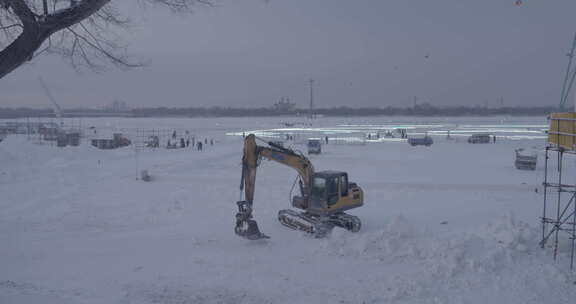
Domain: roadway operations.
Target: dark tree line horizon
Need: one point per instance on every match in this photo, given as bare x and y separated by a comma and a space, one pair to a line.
217, 111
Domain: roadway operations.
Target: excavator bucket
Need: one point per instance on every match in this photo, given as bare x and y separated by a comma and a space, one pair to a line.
251, 231
246, 227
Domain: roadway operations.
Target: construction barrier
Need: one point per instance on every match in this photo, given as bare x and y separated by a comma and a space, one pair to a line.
562, 132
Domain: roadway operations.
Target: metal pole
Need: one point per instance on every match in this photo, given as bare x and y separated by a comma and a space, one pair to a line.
573, 237
570, 56
545, 195
570, 84
558, 143
557, 223
135, 143
311, 98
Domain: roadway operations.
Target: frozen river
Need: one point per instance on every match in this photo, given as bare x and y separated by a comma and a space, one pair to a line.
276, 127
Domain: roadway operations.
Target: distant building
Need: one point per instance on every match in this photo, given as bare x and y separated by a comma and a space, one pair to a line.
284, 105
116, 107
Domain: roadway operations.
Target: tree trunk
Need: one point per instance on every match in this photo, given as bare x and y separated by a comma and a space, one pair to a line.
36, 31
20, 50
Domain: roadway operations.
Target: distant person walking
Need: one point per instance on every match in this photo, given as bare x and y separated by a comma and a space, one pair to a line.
182, 143
199, 145
211, 141
326, 138
494, 138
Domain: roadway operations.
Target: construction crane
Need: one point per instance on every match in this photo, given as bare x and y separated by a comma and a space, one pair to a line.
324, 196
57, 109
569, 77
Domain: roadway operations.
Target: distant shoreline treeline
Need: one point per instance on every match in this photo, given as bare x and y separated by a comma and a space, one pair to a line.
418, 110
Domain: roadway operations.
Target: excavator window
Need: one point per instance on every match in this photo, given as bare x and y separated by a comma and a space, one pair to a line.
332, 189
319, 187
344, 185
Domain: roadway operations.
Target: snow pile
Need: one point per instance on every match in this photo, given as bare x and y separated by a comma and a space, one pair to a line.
179, 293
23, 293
500, 256
400, 239
510, 233
397, 240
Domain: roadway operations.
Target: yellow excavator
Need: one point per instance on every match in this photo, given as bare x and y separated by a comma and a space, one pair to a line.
324, 196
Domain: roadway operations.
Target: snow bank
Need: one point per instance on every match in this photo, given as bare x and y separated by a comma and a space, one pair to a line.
502, 256
179, 293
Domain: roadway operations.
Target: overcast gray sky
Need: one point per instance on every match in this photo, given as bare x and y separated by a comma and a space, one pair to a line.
361, 53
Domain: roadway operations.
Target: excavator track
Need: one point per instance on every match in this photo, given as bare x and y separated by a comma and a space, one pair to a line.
349, 222
306, 222
318, 226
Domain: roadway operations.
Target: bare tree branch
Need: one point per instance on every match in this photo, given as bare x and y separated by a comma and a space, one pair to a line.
84, 30
10, 26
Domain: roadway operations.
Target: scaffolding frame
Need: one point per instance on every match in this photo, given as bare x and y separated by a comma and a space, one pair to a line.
558, 216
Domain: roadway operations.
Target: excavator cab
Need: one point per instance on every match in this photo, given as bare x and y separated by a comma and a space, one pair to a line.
331, 193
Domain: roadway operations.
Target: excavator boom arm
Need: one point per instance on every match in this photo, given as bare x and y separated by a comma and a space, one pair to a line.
245, 225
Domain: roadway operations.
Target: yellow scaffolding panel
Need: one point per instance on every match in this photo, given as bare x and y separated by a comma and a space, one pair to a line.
562, 132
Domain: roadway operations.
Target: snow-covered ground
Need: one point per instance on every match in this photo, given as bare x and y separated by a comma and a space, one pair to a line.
450, 223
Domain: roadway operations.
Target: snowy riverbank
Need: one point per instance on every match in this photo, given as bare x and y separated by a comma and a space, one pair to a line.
452, 223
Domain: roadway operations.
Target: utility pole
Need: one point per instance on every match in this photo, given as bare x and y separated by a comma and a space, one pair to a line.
311, 99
